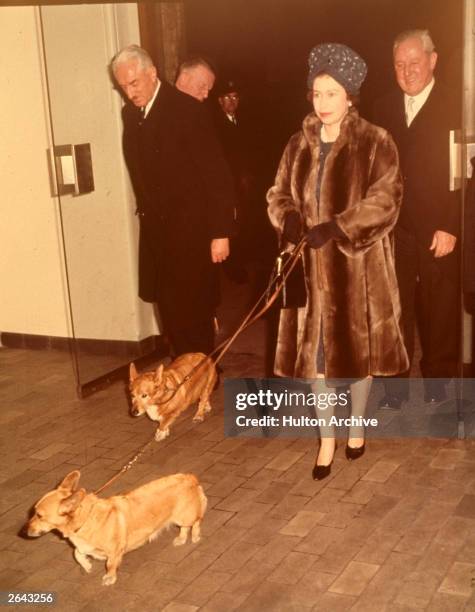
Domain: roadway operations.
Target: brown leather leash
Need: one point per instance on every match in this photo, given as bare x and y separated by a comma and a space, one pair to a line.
126, 467
253, 315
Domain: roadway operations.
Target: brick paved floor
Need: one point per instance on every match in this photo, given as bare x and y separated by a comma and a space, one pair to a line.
394, 531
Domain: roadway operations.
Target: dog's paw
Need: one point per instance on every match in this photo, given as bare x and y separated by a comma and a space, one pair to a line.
83, 561
198, 418
161, 434
179, 541
195, 538
108, 580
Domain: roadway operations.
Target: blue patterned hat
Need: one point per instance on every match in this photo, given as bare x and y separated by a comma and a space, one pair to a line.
339, 62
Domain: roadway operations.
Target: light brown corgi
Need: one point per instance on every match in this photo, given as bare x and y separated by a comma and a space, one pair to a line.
106, 529
165, 393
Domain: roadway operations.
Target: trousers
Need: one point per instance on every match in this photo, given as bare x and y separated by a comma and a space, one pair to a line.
430, 297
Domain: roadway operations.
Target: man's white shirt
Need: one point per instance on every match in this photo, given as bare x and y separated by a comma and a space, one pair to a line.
417, 102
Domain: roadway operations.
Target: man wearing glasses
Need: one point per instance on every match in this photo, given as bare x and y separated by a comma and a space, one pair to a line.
235, 140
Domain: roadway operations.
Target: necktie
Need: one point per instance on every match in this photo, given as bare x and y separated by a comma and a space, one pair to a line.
410, 111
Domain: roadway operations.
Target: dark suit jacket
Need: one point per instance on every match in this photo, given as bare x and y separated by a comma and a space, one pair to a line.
469, 236
234, 140
185, 198
428, 205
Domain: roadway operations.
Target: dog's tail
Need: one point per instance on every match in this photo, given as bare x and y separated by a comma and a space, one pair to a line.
203, 500
194, 482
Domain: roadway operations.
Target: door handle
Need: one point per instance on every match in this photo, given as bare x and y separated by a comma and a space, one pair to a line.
72, 167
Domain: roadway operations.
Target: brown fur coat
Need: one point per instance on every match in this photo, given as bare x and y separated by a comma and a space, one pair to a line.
351, 282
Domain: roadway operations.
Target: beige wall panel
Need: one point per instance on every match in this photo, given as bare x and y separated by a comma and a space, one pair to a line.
33, 295
100, 228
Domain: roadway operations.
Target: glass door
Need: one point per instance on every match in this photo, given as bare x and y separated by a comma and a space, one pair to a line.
111, 327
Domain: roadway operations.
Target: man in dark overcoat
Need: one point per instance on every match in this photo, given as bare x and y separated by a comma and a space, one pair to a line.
420, 117
185, 200
235, 139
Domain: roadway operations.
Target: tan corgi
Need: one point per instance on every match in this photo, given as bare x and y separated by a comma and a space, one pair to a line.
165, 393
106, 529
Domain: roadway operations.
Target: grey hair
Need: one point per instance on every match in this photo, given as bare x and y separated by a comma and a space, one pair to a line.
129, 54
193, 62
422, 35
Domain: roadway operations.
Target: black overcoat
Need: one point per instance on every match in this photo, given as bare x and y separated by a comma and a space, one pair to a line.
236, 145
185, 198
428, 204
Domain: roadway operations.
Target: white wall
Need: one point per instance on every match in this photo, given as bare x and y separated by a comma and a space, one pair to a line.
100, 228
469, 128
33, 294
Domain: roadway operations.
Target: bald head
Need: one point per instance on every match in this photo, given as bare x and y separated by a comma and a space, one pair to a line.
195, 78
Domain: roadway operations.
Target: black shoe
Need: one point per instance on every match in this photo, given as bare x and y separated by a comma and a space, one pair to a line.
435, 395
353, 453
320, 472
391, 402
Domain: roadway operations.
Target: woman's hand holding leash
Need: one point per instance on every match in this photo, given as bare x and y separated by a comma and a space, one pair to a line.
320, 234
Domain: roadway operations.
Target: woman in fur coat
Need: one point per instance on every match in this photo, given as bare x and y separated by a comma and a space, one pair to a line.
339, 183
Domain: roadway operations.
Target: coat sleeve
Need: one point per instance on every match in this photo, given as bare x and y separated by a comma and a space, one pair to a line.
375, 215
444, 204
130, 156
469, 236
216, 176
279, 197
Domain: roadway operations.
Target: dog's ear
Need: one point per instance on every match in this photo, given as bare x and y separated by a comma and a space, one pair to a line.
71, 503
159, 373
133, 372
70, 482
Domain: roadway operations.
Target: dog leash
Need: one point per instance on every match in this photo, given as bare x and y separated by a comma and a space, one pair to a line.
249, 319
126, 467
267, 297
222, 348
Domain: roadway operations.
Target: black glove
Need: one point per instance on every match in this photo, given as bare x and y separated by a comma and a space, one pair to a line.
292, 227
319, 234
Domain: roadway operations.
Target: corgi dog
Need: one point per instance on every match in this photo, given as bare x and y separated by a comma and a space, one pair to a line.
106, 529
166, 392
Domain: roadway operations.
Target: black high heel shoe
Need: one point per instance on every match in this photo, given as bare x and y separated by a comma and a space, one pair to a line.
320, 472
353, 453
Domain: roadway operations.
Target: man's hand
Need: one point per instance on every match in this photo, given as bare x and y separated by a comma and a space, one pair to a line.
219, 249
443, 243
